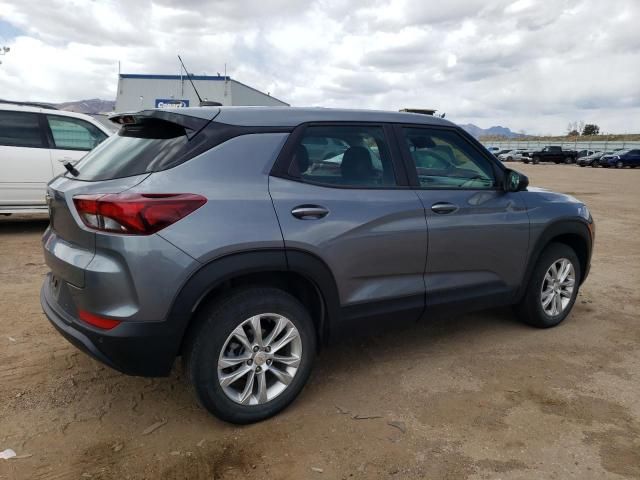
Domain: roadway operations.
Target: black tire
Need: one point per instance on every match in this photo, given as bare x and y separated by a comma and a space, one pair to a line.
536, 160
594, 164
215, 323
530, 310
568, 160
582, 165
509, 159
619, 164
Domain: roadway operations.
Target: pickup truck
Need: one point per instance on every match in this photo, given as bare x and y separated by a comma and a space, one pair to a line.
553, 154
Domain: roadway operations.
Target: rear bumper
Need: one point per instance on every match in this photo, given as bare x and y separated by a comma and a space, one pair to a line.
135, 348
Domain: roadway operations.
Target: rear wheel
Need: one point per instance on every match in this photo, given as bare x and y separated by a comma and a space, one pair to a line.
553, 287
251, 355
536, 160
619, 164
568, 160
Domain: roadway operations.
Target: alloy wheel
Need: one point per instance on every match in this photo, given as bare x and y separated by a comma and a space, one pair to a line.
259, 359
557, 287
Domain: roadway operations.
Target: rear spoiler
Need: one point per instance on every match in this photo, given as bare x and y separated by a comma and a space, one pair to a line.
191, 124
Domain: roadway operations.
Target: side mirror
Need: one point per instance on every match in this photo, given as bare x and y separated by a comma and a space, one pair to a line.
515, 182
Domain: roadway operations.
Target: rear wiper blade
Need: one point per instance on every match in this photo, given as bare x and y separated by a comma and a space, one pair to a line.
71, 169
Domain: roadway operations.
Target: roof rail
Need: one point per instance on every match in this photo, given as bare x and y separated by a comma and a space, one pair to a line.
423, 111
30, 104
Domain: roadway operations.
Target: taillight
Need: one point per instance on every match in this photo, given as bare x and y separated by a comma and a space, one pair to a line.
135, 213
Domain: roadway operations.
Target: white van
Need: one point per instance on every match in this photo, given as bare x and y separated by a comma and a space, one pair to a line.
35, 143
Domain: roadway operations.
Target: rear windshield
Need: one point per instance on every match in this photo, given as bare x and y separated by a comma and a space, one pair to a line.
148, 146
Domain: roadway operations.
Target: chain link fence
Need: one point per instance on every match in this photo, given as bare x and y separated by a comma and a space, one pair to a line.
535, 145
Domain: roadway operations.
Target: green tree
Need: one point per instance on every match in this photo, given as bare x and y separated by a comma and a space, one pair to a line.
591, 129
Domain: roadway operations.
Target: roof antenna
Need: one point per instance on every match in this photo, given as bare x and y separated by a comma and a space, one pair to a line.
203, 103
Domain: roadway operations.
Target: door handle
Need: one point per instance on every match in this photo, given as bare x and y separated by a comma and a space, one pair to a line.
444, 208
309, 212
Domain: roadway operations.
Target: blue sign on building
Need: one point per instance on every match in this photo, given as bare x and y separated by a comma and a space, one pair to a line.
171, 103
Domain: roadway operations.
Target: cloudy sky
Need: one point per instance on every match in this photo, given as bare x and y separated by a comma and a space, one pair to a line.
531, 65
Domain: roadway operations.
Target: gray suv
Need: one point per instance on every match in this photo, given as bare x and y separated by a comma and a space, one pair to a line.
225, 236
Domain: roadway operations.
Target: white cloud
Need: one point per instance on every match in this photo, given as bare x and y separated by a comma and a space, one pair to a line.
530, 65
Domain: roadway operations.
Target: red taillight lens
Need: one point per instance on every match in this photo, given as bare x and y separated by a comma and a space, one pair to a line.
135, 213
96, 321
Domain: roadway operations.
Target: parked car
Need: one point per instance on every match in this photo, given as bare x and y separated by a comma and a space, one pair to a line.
585, 153
208, 233
621, 159
553, 154
36, 141
590, 160
493, 150
513, 155
500, 152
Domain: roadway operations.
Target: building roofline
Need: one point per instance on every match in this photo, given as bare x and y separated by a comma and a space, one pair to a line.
256, 90
144, 76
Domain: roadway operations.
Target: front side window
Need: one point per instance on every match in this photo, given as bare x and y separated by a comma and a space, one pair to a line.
444, 159
74, 134
20, 129
353, 156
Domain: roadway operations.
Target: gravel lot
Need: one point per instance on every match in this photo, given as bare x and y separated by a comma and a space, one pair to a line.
474, 396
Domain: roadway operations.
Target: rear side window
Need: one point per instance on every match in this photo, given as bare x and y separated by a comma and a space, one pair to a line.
74, 134
148, 146
348, 155
20, 129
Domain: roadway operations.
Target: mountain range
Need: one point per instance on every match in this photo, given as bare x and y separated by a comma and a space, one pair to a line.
496, 131
91, 106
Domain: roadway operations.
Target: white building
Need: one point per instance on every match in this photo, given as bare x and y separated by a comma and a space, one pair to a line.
139, 92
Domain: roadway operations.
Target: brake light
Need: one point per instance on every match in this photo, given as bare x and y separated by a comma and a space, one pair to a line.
96, 321
135, 213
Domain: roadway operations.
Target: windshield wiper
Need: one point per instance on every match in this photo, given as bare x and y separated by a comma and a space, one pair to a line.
71, 169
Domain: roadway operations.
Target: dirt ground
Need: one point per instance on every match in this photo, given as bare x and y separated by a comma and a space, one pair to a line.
465, 397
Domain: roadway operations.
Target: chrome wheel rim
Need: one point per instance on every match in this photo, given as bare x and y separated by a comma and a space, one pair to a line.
259, 359
557, 287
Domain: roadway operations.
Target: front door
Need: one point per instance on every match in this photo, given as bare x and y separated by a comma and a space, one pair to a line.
478, 234
71, 139
344, 199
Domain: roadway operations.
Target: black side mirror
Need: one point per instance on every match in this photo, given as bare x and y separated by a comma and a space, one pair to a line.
515, 182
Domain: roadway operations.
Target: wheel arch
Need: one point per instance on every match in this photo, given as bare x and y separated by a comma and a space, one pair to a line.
299, 273
571, 232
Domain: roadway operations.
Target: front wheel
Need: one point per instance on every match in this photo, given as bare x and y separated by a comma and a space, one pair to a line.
552, 289
619, 164
251, 354
536, 160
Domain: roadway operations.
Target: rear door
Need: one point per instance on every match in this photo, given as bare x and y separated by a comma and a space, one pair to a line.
354, 210
71, 139
478, 234
24, 159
